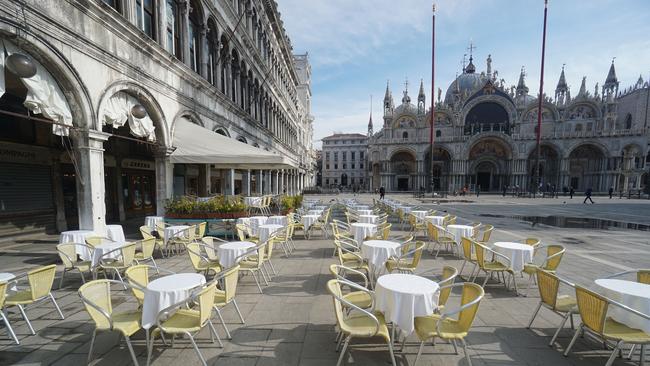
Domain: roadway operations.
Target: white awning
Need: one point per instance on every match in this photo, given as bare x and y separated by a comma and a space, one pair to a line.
117, 111
197, 145
43, 93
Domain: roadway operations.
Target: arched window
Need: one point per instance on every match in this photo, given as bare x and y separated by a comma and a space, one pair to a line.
194, 29
628, 122
222, 132
173, 29
438, 133
242, 139
145, 13
115, 4
405, 135
213, 53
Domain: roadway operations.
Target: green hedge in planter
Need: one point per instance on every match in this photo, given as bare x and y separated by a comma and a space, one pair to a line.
291, 202
187, 205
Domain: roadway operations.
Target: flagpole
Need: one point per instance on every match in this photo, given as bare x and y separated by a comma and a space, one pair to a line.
539, 104
433, 73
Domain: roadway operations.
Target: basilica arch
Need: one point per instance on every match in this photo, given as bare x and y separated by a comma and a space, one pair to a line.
489, 164
403, 170
441, 168
549, 166
586, 164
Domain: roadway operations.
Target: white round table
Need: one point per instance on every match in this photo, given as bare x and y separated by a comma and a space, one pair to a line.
230, 253
308, 220
406, 209
364, 212
368, 219
458, 231
436, 220
75, 236
277, 220
265, 231
419, 214
362, 230
105, 247
252, 201
6, 277
152, 221
633, 294
359, 207
115, 233
315, 212
87, 254
171, 231
402, 297
166, 291
253, 223
377, 252
518, 253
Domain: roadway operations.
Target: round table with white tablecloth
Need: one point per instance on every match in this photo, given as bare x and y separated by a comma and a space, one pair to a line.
7, 277
317, 212
406, 209
153, 221
265, 231
362, 230
419, 214
458, 231
277, 220
75, 236
377, 252
308, 220
518, 253
166, 291
105, 247
252, 201
364, 212
230, 253
436, 220
115, 233
359, 207
634, 295
172, 231
368, 219
253, 223
402, 297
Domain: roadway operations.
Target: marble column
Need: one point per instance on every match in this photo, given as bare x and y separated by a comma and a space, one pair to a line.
90, 182
164, 179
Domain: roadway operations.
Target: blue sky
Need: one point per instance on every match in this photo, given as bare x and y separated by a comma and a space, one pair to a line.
356, 46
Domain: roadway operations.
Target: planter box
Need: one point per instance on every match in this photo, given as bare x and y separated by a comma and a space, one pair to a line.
208, 215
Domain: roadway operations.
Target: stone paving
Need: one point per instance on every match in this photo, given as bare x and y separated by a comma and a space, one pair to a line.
292, 323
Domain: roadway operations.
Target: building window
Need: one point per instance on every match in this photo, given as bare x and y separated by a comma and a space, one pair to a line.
360, 155
438, 133
361, 166
345, 155
405, 135
327, 181
336, 156
173, 29
145, 14
327, 166
352, 155
345, 166
327, 156
115, 4
336, 181
336, 166
195, 38
352, 165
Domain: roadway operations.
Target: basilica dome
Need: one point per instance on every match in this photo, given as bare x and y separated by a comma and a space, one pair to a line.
466, 83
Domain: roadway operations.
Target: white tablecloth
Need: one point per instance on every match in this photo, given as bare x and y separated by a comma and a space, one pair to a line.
458, 231
317, 212
377, 252
359, 207
253, 223
277, 220
402, 297
166, 291
229, 253
6, 277
171, 231
104, 248
518, 253
632, 294
152, 221
75, 236
419, 214
436, 220
308, 220
406, 209
115, 233
252, 201
362, 230
368, 219
364, 212
266, 230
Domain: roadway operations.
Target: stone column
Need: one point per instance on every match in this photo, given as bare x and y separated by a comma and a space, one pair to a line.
90, 182
164, 179
246, 182
204, 180
59, 205
120, 189
185, 32
205, 53
258, 181
230, 182
129, 11
269, 182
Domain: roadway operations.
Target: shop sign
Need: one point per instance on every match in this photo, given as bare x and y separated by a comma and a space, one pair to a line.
138, 164
25, 154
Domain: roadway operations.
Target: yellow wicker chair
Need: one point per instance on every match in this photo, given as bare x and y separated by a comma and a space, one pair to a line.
96, 297
210, 243
94, 241
226, 296
562, 305
445, 327
349, 256
40, 289
125, 260
447, 277
267, 253
383, 232
500, 264
533, 242
179, 319
417, 225
181, 239
363, 325
243, 234
408, 260
3, 296
439, 237
469, 256
553, 258
484, 234
200, 230
200, 262
147, 233
362, 299
68, 254
138, 278
146, 254
253, 264
593, 313
320, 224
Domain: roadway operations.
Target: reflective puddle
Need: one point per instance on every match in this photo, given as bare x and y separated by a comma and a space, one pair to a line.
574, 222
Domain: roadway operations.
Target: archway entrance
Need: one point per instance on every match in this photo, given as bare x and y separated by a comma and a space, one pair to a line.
344, 180
549, 168
402, 169
486, 172
585, 167
440, 170
489, 164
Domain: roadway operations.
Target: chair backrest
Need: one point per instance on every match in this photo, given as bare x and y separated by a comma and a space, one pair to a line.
67, 253
138, 276
643, 276
97, 293
94, 241
479, 249
148, 245
593, 309
334, 288
487, 232
145, 231
471, 292
549, 286
230, 279
241, 232
554, 254
448, 277
128, 254
40, 281
419, 248
466, 244
200, 231
209, 247
206, 301
3, 293
194, 251
432, 233
533, 242
385, 231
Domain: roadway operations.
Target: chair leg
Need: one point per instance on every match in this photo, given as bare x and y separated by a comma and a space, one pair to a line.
92, 345
257, 282
487, 277
573, 340
530, 323
530, 279
128, 343
214, 331
222, 322
238, 312
62, 275
392, 353
345, 347
155, 265
612, 356
29, 324
557, 332
196, 348
10, 330
469, 360
275, 273
83, 278
453, 342
642, 356
56, 305
419, 353
150, 345
631, 353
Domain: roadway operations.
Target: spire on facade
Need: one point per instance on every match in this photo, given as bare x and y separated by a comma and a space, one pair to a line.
561, 84
610, 87
387, 95
421, 98
639, 82
421, 93
388, 100
470, 68
611, 76
583, 87
522, 89
370, 129
406, 99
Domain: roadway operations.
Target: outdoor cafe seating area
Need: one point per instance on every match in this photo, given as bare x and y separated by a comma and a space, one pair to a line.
381, 281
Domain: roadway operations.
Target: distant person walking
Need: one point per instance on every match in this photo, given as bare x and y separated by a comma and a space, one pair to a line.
571, 192
478, 190
505, 190
588, 195
382, 192
611, 192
